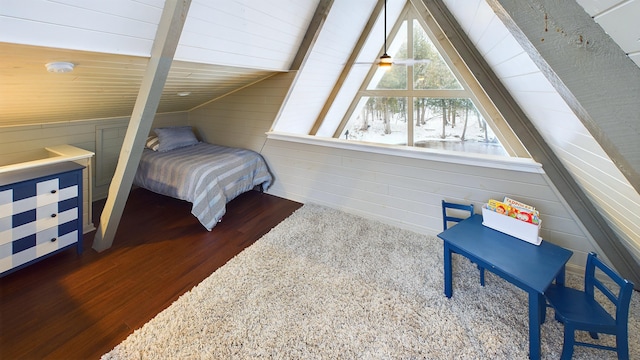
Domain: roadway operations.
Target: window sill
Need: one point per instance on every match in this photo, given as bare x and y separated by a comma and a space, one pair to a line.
487, 161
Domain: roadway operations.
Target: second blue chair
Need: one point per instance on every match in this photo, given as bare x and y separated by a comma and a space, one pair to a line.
580, 310
447, 217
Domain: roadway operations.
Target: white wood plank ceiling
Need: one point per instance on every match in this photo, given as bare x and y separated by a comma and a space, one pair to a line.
619, 19
224, 46
101, 85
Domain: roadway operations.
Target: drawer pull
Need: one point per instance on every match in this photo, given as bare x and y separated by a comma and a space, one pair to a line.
53, 239
54, 215
54, 191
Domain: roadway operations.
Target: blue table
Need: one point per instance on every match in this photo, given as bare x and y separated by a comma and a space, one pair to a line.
531, 268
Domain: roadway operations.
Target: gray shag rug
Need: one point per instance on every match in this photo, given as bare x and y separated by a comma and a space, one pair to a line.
325, 284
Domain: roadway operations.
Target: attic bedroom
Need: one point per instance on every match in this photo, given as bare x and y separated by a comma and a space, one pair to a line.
551, 88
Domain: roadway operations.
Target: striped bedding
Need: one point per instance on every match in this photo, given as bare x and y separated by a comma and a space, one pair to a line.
206, 175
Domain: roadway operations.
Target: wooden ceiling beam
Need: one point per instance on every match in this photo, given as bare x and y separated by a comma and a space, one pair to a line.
172, 21
345, 71
310, 37
540, 150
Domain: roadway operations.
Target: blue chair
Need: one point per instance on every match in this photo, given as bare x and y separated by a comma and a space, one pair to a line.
447, 218
579, 310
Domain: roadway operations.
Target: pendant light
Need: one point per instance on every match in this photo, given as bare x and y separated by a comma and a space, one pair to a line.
385, 59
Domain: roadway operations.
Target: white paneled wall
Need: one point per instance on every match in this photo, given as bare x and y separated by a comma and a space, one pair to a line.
241, 119
17, 143
577, 149
21, 143
402, 191
109, 139
406, 192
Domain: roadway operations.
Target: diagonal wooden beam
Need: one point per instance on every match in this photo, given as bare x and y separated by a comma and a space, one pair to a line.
601, 84
164, 47
540, 150
345, 71
310, 37
588, 97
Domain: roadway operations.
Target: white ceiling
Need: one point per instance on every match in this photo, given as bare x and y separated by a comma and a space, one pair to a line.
621, 20
243, 33
225, 45
101, 85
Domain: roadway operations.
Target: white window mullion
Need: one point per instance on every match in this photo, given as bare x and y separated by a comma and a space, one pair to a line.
424, 68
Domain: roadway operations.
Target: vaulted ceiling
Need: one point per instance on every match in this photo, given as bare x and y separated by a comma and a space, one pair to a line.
224, 46
102, 85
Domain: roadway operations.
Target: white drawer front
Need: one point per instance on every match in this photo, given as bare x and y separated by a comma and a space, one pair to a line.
34, 227
68, 193
5, 256
44, 239
47, 191
25, 204
23, 257
24, 230
47, 246
48, 198
6, 203
44, 245
47, 212
5, 230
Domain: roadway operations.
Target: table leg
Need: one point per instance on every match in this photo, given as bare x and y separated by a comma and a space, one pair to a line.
447, 270
535, 301
560, 277
543, 309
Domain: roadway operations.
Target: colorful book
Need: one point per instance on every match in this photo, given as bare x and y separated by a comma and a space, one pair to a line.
515, 209
523, 211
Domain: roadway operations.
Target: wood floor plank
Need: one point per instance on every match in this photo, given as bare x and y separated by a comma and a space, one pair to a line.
73, 306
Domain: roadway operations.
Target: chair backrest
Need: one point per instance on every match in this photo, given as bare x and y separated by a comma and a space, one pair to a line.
623, 297
446, 218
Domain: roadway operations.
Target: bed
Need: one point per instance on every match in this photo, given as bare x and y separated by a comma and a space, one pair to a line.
206, 175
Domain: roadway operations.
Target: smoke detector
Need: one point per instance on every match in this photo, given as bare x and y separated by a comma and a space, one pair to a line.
59, 67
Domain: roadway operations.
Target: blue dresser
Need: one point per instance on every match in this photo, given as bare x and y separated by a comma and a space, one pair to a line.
40, 213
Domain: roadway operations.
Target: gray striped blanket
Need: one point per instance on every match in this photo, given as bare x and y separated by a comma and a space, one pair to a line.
206, 175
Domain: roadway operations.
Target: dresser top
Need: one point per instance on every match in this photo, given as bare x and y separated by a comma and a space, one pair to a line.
11, 177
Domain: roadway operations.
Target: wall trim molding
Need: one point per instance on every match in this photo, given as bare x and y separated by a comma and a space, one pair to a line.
456, 157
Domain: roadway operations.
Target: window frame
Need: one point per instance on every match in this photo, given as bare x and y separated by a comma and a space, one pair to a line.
470, 88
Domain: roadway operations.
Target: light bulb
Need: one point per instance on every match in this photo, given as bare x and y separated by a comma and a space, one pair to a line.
385, 61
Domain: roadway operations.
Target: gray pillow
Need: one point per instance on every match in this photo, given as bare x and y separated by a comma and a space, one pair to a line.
175, 137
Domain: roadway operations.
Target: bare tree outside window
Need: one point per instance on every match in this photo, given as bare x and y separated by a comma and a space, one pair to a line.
443, 114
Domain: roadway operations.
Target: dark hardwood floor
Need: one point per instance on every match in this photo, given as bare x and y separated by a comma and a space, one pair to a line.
73, 306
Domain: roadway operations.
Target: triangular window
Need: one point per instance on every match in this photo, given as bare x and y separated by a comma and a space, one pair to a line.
421, 101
